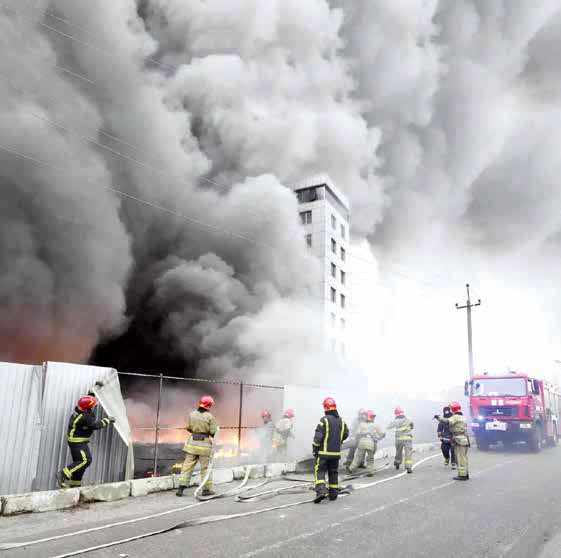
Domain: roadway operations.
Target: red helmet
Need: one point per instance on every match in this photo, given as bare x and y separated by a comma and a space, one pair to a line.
455, 407
206, 401
371, 415
329, 404
265, 413
289, 413
87, 403
398, 411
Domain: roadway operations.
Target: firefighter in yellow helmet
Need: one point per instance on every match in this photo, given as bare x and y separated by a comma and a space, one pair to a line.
330, 434
367, 435
403, 439
283, 430
459, 430
202, 427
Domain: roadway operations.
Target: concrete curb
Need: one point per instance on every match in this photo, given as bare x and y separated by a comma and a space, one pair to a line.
51, 500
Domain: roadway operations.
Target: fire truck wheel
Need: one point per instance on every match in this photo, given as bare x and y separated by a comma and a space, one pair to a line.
536, 441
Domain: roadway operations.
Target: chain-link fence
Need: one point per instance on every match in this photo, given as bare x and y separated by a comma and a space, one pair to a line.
158, 406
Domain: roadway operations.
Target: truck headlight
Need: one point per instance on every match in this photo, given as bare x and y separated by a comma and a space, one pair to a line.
525, 425
475, 425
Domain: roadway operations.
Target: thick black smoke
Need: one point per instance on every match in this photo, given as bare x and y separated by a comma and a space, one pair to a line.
440, 119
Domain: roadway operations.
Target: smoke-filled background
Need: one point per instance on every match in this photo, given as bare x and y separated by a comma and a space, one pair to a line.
145, 153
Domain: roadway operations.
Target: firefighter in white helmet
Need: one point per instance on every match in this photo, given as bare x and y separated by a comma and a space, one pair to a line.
202, 427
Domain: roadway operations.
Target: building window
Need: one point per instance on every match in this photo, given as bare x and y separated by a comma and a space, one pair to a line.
333, 295
343, 251
307, 195
342, 324
334, 246
333, 271
343, 231
305, 217
343, 277
309, 240
332, 320
343, 301
333, 222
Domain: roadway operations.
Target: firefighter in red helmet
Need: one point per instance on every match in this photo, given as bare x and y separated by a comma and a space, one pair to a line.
459, 430
361, 417
331, 432
81, 426
283, 430
403, 439
368, 434
202, 427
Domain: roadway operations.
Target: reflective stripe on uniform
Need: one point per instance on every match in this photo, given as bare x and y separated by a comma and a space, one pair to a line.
80, 465
333, 486
342, 429
318, 481
71, 437
326, 437
330, 453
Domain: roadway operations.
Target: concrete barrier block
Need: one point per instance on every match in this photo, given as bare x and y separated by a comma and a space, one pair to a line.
44, 501
273, 470
142, 487
222, 476
239, 472
105, 492
289, 467
257, 472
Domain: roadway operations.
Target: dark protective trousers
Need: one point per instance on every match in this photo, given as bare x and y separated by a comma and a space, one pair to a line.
81, 459
329, 465
448, 451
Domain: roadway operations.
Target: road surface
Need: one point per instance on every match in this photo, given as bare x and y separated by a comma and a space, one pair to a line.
511, 508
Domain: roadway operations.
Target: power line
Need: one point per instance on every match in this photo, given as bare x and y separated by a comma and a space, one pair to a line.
134, 160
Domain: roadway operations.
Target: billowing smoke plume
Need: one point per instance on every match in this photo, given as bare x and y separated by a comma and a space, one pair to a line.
440, 119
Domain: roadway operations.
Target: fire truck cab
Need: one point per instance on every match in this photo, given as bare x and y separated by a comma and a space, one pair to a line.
513, 407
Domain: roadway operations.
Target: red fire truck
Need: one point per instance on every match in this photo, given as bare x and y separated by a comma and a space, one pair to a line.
513, 407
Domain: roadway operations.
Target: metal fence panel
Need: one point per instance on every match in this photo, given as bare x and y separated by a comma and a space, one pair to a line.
64, 384
20, 431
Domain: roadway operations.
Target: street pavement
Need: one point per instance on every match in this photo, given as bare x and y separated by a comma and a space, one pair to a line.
511, 507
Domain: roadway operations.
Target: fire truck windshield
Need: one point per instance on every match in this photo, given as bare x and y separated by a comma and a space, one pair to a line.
499, 386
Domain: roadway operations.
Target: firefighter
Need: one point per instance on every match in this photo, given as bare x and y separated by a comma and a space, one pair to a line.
368, 435
330, 434
458, 429
361, 417
403, 440
81, 426
445, 437
265, 434
202, 427
284, 429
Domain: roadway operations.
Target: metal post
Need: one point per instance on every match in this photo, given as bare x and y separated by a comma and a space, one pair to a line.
240, 421
155, 474
468, 306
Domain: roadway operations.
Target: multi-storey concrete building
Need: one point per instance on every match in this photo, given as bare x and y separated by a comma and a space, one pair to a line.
325, 215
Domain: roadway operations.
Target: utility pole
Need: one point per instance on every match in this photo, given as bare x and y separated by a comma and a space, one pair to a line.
468, 306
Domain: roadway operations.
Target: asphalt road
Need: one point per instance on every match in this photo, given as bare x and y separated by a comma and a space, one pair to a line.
511, 507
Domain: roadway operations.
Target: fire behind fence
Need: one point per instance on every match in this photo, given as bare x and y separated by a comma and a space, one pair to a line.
158, 406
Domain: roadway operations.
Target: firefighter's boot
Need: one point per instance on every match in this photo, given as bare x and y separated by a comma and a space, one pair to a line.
454, 466
446, 462
333, 493
462, 478
61, 481
396, 465
409, 470
180, 491
208, 492
321, 494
